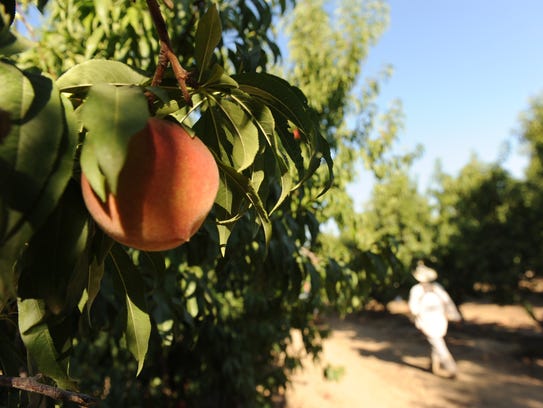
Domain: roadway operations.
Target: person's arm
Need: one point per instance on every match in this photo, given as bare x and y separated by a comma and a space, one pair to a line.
415, 296
452, 312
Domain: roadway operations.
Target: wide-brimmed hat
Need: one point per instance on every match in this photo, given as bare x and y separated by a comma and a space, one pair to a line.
424, 274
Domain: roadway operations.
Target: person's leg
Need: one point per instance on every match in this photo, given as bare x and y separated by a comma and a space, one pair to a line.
441, 356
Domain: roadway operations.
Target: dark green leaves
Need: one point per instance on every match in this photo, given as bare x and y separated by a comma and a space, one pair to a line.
131, 286
54, 264
111, 115
7, 8
289, 105
249, 128
36, 159
208, 35
10, 43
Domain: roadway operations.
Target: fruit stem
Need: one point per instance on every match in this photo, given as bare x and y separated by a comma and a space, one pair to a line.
166, 53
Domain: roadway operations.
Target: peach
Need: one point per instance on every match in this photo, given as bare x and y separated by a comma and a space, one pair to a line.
166, 188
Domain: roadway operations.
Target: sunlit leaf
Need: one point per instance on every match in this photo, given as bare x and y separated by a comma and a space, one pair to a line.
275, 161
97, 71
224, 231
192, 306
39, 343
93, 42
240, 130
289, 104
241, 183
278, 95
102, 8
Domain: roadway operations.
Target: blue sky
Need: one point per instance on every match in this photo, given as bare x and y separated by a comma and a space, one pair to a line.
464, 70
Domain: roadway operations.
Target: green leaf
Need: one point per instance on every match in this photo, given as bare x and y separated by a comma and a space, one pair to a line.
208, 36
111, 115
10, 359
153, 262
230, 132
259, 113
102, 12
95, 72
224, 231
93, 42
54, 264
91, 168
217, 79
101, 246
278, 95
289, 105
29, 151
138, 323
96, 273
192, 306
12, 43
37, 144
226, 199
240, 130
7, 13
39, 343
36, 160
274, 160
237, 181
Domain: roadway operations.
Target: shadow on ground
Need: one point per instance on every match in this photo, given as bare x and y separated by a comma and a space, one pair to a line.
499, 366
385, 362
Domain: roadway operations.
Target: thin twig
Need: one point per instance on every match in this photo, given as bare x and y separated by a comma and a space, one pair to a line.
30, 384
22, 17
166, 53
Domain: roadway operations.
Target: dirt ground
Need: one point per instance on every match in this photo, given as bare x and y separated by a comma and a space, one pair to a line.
379, 359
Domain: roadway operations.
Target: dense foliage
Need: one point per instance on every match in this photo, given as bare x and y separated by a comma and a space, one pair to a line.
481, 232
206, 324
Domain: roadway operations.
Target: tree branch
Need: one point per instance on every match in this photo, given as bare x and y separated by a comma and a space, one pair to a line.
31, 384
166, 53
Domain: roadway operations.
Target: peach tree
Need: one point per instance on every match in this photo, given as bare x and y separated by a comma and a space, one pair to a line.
205, 323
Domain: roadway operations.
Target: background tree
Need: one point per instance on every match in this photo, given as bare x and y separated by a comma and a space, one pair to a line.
331, 74
480, 233
531, 136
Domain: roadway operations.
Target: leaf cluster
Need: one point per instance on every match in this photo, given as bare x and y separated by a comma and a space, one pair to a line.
66, 289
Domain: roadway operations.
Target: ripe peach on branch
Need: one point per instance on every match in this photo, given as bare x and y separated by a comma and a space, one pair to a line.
166, 188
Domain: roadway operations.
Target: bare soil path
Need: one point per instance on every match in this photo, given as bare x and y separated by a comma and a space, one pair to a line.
382, 361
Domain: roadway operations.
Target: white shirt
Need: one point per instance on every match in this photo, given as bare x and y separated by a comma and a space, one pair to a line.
430, 304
